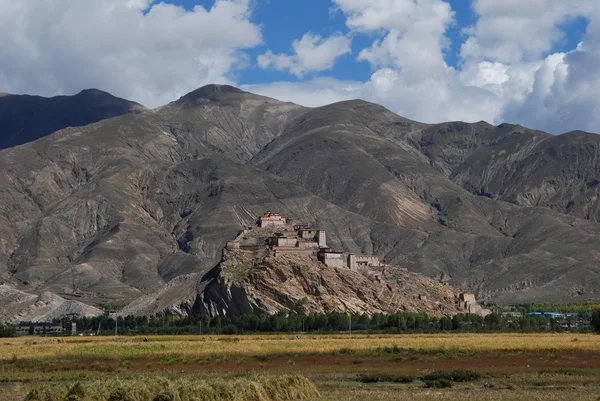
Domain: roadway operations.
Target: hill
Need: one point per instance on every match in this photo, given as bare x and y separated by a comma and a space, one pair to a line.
121, 208
25, 118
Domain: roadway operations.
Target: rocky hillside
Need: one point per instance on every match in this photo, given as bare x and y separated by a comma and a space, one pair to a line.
260, 281
18, 306
301, 284
131, 206
25, 118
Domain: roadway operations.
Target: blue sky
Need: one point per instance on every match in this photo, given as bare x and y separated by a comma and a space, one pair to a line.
530, 62
286, 20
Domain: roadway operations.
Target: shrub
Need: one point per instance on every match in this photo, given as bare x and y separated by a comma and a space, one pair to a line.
461, 375
441, 383
374, 378
458, 375
230, 329
595, 323
77, 390
164, 397
394, 349
251, 388
120, 394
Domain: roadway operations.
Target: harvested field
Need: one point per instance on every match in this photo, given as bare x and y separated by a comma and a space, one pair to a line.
342, 367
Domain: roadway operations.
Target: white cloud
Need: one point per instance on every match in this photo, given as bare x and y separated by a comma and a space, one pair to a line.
154, 52
411, 76
564, 96
152, 55
506, 73
512, 31
426, 101
562, 88
312, 53
413, 33
313, 93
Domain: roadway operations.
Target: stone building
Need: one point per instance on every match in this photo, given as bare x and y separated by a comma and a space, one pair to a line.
300, 238
334, 259
308, 233
468, 303
346, 259
272, 219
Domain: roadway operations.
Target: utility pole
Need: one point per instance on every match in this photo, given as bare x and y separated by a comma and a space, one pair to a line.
350, 322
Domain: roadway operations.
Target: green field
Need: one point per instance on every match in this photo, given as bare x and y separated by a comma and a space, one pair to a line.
338, 367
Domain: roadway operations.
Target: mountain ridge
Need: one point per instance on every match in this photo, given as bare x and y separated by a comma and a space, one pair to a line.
25, 118
117, 209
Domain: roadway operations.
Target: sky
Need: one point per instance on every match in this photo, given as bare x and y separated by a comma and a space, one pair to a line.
529, 62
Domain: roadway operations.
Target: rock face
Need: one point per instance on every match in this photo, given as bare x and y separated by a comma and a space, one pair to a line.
257, 282
18, 306
118, 209
300, 283
25, 118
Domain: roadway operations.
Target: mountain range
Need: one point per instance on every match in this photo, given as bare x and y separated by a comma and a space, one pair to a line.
121, 208
25, 118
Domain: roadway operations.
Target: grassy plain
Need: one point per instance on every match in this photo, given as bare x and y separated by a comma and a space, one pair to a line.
342, 367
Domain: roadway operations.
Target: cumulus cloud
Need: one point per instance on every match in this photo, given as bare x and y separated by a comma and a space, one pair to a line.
564, 96
506, 70
311, 53
153, 52
512, 31
414, 33
411, 76
139, 49
560, 88
316, 92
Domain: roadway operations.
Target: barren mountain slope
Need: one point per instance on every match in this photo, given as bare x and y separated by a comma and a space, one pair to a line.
20, 306
26, 118
227, 121
400, 174
113, 210
560, 172
117, 209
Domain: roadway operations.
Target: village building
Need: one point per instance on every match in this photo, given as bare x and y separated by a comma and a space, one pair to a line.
346, 259
301, 238
468, 303
272, 219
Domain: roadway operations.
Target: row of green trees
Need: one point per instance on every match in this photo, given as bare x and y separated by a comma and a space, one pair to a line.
404, 322
7, 331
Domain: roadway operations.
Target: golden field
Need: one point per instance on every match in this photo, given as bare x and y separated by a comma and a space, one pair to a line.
134, 347
508, 366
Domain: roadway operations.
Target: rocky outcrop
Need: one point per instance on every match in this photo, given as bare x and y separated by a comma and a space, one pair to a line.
246, 282
18, 306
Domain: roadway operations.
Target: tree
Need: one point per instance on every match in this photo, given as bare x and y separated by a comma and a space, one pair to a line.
596, 320
457, 322
493, 321
7, 331
445, 323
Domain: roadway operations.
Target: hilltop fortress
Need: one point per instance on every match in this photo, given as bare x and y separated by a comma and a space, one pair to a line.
277, 237
281, 236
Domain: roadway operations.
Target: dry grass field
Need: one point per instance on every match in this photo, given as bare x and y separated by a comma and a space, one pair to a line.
341, 367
